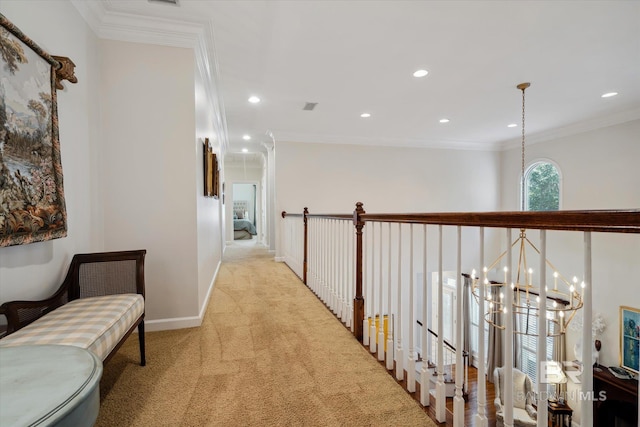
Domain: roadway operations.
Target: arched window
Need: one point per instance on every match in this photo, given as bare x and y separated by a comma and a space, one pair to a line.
542, 187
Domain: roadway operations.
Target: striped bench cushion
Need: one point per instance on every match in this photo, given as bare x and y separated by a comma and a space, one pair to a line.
96, 323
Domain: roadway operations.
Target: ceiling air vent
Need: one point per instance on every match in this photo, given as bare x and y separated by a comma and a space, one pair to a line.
171, 2
309, 106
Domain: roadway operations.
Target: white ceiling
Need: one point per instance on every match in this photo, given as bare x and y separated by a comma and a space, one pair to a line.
358, 56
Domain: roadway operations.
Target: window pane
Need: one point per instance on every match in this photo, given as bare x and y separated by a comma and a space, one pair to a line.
542, 186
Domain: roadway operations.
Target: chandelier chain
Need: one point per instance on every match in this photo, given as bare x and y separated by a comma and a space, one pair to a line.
522, 168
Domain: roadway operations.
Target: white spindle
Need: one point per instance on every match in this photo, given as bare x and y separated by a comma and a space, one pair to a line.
372, 326
425, 383
343, 272
318, 268
411, 361
352, 276
345, 266
325, 273
380, 302
440, 386
542, 332
508, 339
399, 349
336, 257
458, 400
586, 415
365, 290
481, 416
389, 287
321, 259
316, 247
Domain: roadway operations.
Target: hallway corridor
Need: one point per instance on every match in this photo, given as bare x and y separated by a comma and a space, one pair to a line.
268, 353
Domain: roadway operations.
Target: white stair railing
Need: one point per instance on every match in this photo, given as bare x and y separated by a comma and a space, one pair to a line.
369, 279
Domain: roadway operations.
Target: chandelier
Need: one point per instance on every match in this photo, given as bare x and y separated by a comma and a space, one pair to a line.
566, 295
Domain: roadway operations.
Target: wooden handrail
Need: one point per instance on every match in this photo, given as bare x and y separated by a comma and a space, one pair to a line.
614, 221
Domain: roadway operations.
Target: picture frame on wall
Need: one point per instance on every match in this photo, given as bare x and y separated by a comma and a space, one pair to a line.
630, 338
31, 181
216, 178
208, 165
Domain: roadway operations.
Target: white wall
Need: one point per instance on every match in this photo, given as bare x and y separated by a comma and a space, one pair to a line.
210, 218
600, 171
331, 178
150, 182
36, 270
132, 165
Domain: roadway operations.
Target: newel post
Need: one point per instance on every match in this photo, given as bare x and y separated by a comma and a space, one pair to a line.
306, 246
358, 301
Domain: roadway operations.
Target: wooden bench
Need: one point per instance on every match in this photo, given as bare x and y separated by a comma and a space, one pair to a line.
98, 305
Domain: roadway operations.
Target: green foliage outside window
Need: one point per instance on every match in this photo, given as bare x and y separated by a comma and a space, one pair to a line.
543, 188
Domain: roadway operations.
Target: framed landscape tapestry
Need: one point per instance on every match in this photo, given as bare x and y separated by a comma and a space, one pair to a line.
630, 338
32, 206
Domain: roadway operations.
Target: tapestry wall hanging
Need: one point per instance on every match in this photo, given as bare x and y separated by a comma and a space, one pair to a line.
32, 206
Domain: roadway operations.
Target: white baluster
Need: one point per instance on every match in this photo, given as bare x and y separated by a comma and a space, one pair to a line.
425, 383
440, 386
334, 268
372, 327
411, 362
542, 332
586, 416
340, 271
390, 317
458, 400
380, 301
352, 281
365, 291
343, 275
481, 416
325, 272
508, 338
399, 349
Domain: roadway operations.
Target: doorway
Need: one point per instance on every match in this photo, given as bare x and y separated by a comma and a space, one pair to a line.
245, 209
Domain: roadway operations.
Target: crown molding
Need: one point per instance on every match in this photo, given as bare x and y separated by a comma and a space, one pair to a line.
136, 27
385, 142
574, 129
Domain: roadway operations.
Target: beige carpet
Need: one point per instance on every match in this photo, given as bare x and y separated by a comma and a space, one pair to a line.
267, 354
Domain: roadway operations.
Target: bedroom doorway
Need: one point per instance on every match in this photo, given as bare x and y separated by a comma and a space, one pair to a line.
245, 212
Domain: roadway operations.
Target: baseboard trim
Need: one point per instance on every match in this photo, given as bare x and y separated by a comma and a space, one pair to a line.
170, 324
184, 322
279, 259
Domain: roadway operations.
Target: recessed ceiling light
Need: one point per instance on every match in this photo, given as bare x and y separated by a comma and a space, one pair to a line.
245, 150
420, 73
365, 115
512, 125
246, 137
609, 94
444, 120
254, 99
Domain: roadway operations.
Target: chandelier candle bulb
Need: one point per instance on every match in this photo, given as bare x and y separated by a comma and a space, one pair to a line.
555, 281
